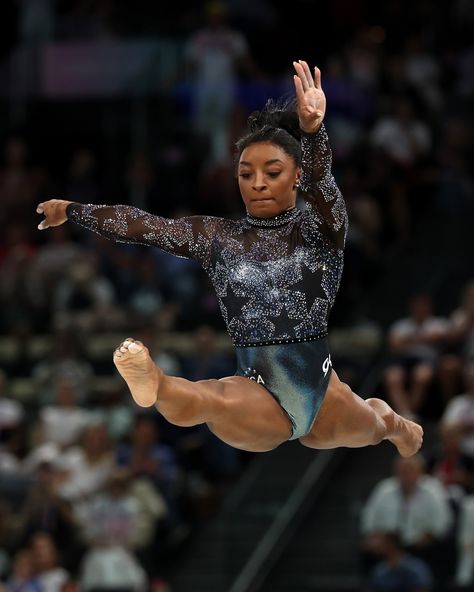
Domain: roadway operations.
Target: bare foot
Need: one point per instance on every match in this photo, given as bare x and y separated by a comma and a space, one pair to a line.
408, 438
142, 376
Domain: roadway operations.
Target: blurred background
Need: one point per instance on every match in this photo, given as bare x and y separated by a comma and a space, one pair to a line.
106, 101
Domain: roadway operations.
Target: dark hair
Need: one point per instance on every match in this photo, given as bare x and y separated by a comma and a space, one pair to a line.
277, 123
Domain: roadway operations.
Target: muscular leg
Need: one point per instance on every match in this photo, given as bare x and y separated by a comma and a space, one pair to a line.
239, 411
345, 419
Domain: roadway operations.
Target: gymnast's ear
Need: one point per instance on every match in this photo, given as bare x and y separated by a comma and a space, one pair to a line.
297, 180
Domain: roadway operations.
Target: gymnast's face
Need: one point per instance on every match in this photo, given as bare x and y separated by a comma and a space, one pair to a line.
267, 179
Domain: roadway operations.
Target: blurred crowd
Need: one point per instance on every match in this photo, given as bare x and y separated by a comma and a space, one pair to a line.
418, 525
95, 493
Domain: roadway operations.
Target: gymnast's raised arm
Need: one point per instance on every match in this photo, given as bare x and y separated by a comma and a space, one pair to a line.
320, 191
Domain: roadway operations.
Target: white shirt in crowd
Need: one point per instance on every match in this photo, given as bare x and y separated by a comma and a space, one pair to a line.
111, 568
53, 579
84, 477
465, 568
402, 142
214, 53
461, 410
11, 413
429, 328
426, 511
62, 425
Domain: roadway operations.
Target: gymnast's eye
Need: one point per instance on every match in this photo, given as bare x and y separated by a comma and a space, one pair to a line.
274, 174
244, 175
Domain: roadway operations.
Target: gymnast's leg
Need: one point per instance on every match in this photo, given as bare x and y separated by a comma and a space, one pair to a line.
237, 410
345, 419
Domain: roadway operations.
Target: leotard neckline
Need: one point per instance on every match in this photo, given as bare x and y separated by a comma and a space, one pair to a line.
279, 220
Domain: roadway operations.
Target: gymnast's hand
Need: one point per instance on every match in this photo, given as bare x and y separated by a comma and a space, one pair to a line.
54, 211
311, 101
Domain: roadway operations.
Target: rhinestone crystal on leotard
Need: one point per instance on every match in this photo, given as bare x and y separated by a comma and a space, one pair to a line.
275, 278
275, 221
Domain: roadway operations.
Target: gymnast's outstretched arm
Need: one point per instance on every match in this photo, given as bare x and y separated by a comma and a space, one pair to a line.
188, 236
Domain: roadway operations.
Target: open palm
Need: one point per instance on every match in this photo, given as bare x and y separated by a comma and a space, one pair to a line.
311, 101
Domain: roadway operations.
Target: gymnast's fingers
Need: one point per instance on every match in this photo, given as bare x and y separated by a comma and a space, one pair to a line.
307, 73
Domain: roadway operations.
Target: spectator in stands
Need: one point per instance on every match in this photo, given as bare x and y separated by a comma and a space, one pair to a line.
63, 422
5, 539
19, 291
215, 52
114, 411
180, 284
147, 458
398, 571
13, 439
81, 178
145, 299
401, 135
412, 504
85, 299
11, 410
448, 463
23, 577
459, 347
17, 185
415, 346
459, 415
46, 511
111, 568
51, 575
465, 568
162, 355
53, 260
129, 514
124, 513
454, 186
350, 107
86, 467
65, 362
462, 325
423, 72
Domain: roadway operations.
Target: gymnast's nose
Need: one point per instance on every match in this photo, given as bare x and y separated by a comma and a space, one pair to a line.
259, 182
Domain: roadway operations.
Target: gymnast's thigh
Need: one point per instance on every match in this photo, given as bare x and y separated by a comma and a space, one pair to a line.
342, 416
247, 416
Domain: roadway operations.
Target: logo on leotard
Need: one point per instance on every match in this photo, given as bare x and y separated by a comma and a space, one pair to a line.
252, 374
327, 364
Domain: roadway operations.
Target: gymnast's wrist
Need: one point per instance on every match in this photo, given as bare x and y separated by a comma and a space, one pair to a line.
311, 134
69, 207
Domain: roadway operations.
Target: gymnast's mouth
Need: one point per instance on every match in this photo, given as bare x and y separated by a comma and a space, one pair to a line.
262, 199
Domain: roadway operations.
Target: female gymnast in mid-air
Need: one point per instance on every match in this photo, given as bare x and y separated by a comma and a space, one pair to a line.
276, 273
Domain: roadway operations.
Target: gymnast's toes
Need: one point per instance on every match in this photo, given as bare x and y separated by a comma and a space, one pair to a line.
129, 346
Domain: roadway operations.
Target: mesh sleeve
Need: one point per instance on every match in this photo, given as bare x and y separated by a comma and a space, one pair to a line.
189, 236
322, 195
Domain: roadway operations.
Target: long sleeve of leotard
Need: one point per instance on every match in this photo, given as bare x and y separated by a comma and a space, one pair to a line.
186, 237
322, 195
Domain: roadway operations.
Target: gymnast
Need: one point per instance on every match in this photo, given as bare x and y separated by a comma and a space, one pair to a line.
276, 273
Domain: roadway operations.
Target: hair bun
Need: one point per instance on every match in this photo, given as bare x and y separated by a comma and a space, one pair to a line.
275, 114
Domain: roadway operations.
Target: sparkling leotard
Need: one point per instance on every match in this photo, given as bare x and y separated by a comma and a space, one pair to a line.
276, 278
